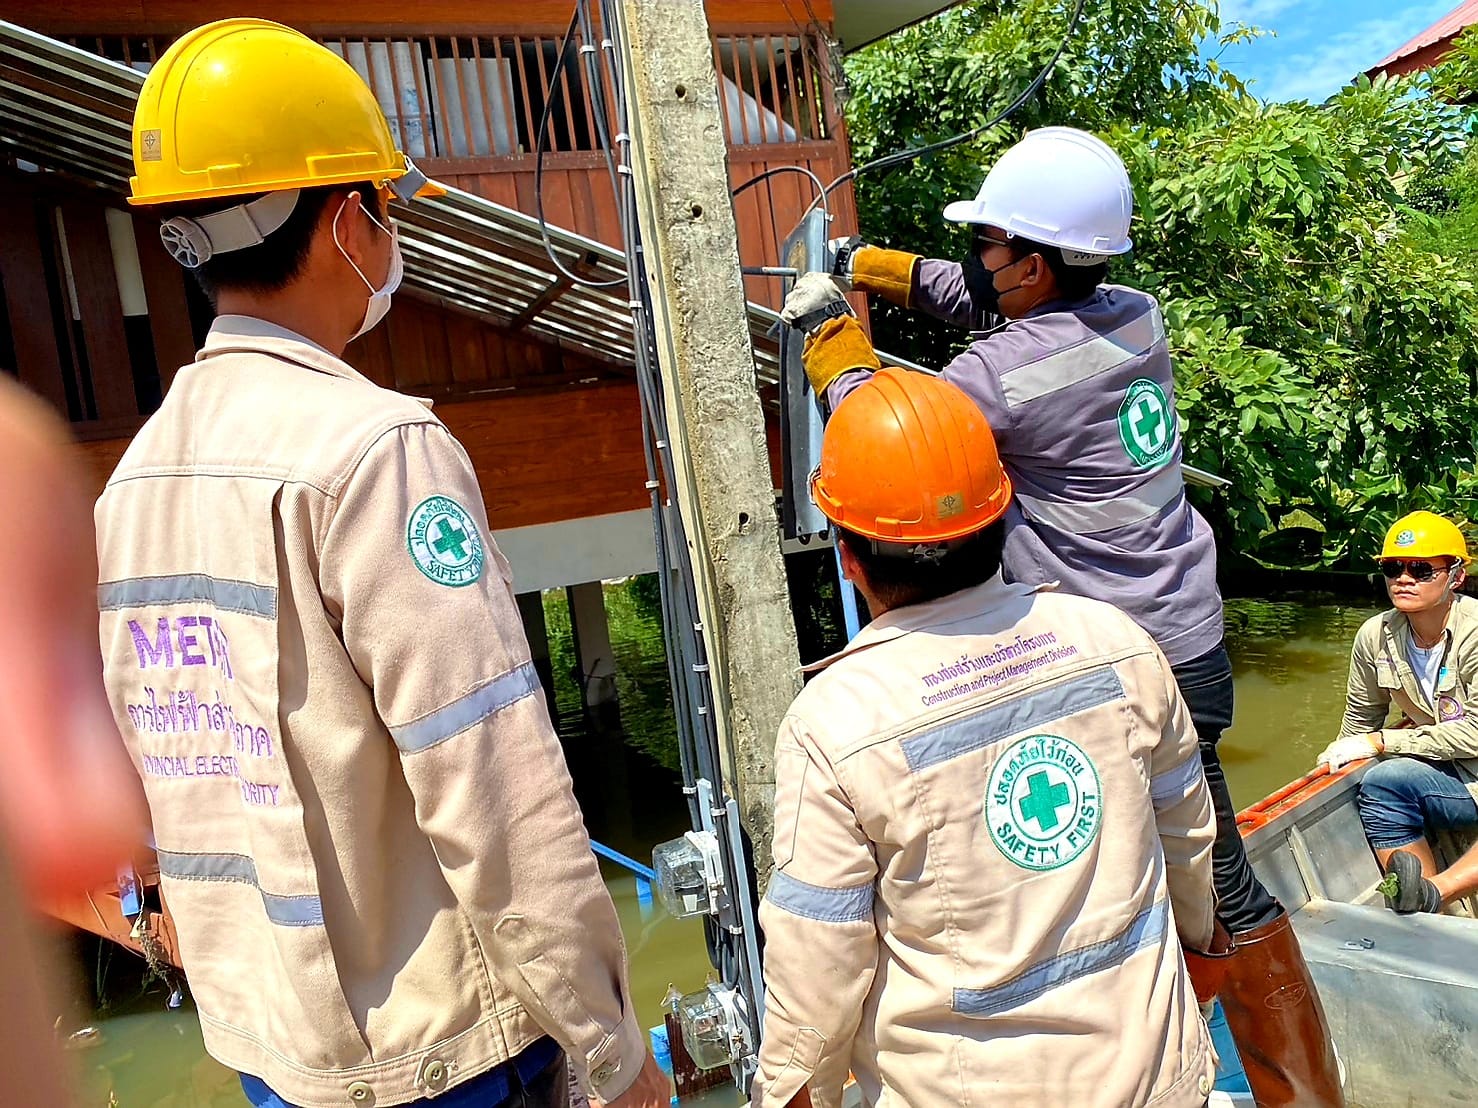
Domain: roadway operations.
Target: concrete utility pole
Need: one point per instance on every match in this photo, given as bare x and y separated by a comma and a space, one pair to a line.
725, 491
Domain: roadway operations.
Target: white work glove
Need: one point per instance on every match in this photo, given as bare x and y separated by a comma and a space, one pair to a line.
1342, 752
815, 299
841, 252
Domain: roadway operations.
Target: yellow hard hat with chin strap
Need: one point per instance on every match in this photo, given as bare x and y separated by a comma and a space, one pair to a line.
1424, 535
246, 106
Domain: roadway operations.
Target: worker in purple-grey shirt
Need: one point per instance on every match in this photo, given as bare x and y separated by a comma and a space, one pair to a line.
1074, 377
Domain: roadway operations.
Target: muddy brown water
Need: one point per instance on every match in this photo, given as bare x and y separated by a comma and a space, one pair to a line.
1289, 656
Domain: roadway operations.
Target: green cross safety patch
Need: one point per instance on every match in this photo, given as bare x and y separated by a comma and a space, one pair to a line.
1043, 802
444, 542
1146, 424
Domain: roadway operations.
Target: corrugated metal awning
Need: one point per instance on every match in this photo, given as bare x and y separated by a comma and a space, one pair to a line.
68, 110
1448, 27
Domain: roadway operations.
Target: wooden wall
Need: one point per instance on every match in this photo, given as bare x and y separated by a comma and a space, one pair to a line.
132, 16
541, 457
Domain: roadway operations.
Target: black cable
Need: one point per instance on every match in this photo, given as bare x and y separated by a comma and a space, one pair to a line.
540, 139
821, 189
887, 161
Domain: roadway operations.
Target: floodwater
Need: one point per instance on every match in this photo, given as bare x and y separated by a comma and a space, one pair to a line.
1289, 657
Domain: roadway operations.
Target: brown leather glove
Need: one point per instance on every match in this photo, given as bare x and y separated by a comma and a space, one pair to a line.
1208, 968
889, 273
840, 345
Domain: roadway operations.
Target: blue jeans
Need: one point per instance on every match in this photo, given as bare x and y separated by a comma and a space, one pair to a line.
534, 1079
1403, 798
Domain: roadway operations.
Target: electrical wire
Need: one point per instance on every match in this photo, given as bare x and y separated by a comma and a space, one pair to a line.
821, 192
540, 142
887, 161
683, 628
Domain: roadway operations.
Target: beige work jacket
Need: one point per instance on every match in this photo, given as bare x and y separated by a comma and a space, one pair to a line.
366, 831
991, 823
1381, 675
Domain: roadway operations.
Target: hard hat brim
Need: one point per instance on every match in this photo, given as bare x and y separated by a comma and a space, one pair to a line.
429, 190
962, 211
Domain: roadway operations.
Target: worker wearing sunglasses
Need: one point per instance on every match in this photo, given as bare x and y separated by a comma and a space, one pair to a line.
1421, 657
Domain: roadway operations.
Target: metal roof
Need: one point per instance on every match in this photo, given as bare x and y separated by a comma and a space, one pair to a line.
69, 110
1448, 27
860, 22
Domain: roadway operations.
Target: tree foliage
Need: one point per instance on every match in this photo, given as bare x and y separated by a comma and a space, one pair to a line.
1323, 327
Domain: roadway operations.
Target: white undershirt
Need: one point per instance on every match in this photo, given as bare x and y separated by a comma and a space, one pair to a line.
1428, 666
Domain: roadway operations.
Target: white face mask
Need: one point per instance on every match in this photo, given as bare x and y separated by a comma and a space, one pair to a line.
379, 301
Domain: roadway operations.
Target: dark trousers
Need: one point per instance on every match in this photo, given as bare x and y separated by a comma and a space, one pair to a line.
504, 1086
1206, 686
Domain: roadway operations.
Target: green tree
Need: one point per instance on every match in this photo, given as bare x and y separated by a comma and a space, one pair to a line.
1324, 345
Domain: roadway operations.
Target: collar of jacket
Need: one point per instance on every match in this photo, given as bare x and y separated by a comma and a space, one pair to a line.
1462, 625
932, 614
1047, 307
242, 334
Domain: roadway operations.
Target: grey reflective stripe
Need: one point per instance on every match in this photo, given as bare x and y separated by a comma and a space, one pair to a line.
464, 712
1173, 784
1144, 930
819, 902
1081, 517
221, 593
1002, 720
289, 911
1082, 362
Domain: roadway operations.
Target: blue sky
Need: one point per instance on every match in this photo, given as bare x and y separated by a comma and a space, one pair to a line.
1321, 44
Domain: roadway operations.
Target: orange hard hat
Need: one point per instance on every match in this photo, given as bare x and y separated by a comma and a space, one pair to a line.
908, 458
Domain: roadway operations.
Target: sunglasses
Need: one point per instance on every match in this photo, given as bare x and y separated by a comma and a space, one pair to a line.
979, 242
1419, 571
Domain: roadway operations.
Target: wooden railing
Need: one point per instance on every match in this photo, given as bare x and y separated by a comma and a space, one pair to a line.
467, 107
477, 98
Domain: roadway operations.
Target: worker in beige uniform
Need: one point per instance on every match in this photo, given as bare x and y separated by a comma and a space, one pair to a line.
992, 830
1420, 658
382, 886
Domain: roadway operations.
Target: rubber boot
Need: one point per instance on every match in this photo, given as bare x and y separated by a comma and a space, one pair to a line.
1275, 1017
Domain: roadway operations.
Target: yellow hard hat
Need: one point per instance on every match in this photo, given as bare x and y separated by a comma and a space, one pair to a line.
1424, 535
244, 106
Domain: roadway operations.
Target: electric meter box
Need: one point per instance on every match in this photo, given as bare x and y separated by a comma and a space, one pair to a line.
715, 1026
686, 870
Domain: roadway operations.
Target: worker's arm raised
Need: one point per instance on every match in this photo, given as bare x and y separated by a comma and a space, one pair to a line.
820, 939
428, 618
931, 285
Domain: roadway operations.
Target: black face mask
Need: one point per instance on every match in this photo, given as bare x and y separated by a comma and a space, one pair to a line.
980, 283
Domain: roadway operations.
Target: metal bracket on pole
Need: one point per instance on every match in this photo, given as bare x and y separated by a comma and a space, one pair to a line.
804, 251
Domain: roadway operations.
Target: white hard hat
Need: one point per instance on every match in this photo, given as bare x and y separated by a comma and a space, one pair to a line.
1060, 187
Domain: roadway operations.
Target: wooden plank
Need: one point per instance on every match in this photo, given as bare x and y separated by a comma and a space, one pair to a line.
555, 456
27, 299
102, 311
407, 348
559, 205
495, 355
603, 218
370, 354
466, 350
582, 204
169, 311
500, 188
434, 343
